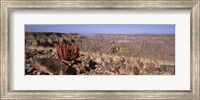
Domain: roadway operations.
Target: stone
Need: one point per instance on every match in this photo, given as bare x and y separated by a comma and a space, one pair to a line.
98, 60
78, 71
136, 71
38, 73
125, 71
82, 69
75, 66
92, 64
122, 59
30, 53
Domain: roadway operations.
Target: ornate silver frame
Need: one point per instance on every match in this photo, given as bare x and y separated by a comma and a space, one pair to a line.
6, 6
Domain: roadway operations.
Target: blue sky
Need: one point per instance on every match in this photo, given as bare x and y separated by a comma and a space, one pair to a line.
103, 28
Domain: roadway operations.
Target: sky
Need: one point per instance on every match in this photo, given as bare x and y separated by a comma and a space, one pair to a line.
103, 28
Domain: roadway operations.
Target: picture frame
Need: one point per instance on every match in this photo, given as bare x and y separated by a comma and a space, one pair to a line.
7, 6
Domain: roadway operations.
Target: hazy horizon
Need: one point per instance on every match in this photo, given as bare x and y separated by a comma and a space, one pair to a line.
89, 29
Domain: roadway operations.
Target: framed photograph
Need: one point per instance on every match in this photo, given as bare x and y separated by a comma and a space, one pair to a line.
100, 49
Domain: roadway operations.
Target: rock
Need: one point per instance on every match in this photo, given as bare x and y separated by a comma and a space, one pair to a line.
110, 60
153, 69
43, 73
34, 72
151, 65
71, 71
116, 59
28, 65
136, 71
128, 61
145, 65
30, 40
122, 59
102, 59
168, 69
92, 64
109, 64
92, 71
75, 66
82, 55
30, 53
30, 71
48, 51
78, 71
88, 58
38, 73
125, 71
77, 61
87, 65
41, 68
87, 69
40, 51
98, 60
50, 41
69, 63
141, 65
103, 64
82, 69
112, 68
87, 73
115, 63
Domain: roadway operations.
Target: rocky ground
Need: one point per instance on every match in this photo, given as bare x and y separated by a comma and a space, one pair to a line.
46, 62
101, 54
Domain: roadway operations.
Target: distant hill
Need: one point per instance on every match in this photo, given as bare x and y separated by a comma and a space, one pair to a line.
48, 39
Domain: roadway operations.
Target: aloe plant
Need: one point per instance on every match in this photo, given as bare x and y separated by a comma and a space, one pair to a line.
67, 51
